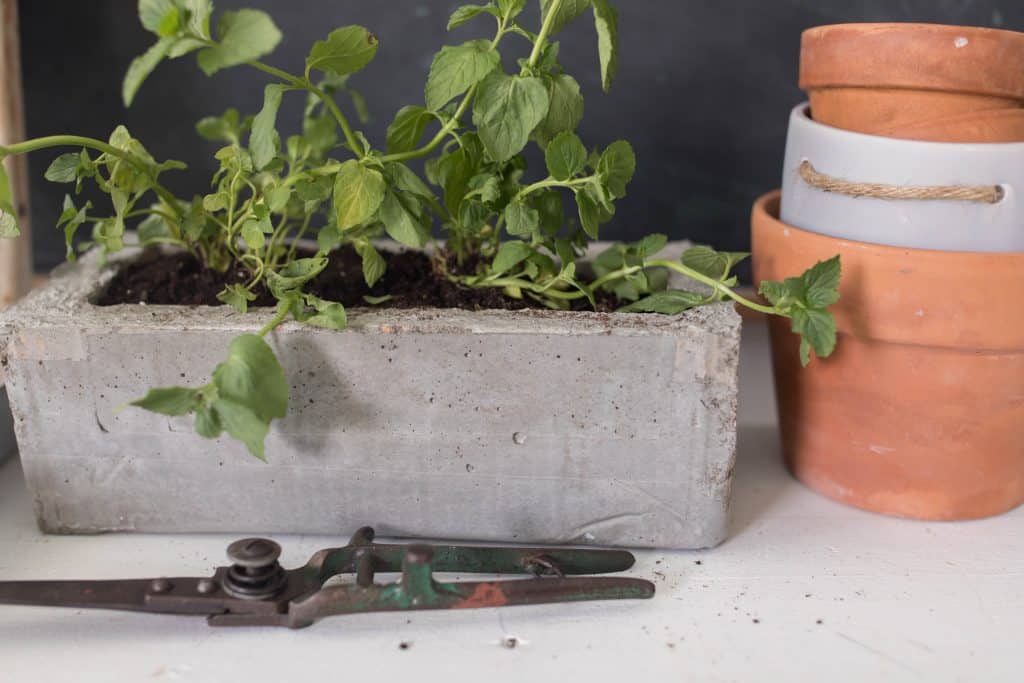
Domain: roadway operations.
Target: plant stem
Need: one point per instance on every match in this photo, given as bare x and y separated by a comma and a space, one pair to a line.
530, 286
551, 182
274, 322
100, 146
305, 84
453, 122
542, 37
714, 284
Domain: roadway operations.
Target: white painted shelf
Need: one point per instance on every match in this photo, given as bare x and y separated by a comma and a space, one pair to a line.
805, 590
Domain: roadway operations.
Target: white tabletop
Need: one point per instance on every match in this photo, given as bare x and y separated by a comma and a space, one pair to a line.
804, 589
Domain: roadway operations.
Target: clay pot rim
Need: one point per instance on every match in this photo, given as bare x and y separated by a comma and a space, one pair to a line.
806, 118
845, 43
884, 288
768, 205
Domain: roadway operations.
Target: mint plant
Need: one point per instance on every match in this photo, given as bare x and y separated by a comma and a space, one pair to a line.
503, 227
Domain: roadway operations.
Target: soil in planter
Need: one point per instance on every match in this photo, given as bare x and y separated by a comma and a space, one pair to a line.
159, 278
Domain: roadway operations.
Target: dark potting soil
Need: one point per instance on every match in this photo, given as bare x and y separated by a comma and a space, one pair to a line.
180, 279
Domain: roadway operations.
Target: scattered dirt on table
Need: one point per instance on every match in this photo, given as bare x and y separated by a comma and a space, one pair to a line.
411, 281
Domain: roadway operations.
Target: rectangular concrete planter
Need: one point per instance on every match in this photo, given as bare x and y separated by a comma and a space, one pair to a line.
535, 426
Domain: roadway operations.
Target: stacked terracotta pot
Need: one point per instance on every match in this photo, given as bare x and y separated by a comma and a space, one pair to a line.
909, 164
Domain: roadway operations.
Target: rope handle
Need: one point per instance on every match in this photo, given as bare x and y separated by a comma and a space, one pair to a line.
981, 194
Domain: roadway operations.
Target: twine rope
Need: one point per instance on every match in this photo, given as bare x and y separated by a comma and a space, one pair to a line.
982, 194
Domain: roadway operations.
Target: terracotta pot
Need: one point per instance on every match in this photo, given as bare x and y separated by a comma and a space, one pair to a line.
920, 81
920, 411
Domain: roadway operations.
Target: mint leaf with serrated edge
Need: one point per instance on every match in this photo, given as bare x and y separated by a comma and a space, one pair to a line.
345, 51
671, 302
457, 69
805, 300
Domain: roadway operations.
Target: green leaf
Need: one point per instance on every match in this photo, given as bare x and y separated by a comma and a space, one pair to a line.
358, 193
264, 141
172, 401
237, 296
198, 12
406, 130
142, 66
457, 69
521, 219
8, 216
244, 35
252, 233
346, 51
277, 198
783, 295
377, 300
294, 275
207, 423
511, 8
374, 265
403, 178
225, 128
567, 12
252, 390
590, 216
616, 167
314, 190
510, 255
506, 111
400, 225
714, 264
329, 314
72, 218
8, 222
821, 283
818, 330
64, 168
467, 13
566, 108
671, 302
162, 17
565, 156
606, 20
551, 208
651, 245
244, 424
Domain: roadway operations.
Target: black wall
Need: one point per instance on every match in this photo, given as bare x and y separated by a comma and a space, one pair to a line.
703, 94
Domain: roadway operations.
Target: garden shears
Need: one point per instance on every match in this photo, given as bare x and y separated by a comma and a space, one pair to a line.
255, 590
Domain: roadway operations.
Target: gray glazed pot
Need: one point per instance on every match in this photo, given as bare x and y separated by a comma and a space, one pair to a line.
534, 426
919, 224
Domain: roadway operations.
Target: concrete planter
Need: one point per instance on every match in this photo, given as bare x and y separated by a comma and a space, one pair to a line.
536, 426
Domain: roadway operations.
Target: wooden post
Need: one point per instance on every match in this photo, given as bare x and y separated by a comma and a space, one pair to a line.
15, 254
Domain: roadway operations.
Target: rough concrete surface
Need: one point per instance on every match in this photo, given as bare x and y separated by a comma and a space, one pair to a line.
532, 426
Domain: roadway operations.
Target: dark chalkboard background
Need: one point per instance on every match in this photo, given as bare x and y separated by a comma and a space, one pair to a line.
704, 90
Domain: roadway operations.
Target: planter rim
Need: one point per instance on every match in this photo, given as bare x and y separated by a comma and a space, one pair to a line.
920, 297
67, 297
860, 158
915, 56
767, 206
801, 115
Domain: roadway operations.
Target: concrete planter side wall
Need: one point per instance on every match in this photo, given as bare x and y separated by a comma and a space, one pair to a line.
534, 426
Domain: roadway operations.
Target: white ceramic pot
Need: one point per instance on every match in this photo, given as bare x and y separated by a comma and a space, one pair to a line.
948, 225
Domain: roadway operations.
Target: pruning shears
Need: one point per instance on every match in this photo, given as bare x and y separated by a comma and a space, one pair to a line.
255, 590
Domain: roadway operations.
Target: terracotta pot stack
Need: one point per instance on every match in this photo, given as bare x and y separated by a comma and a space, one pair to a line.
909, 163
